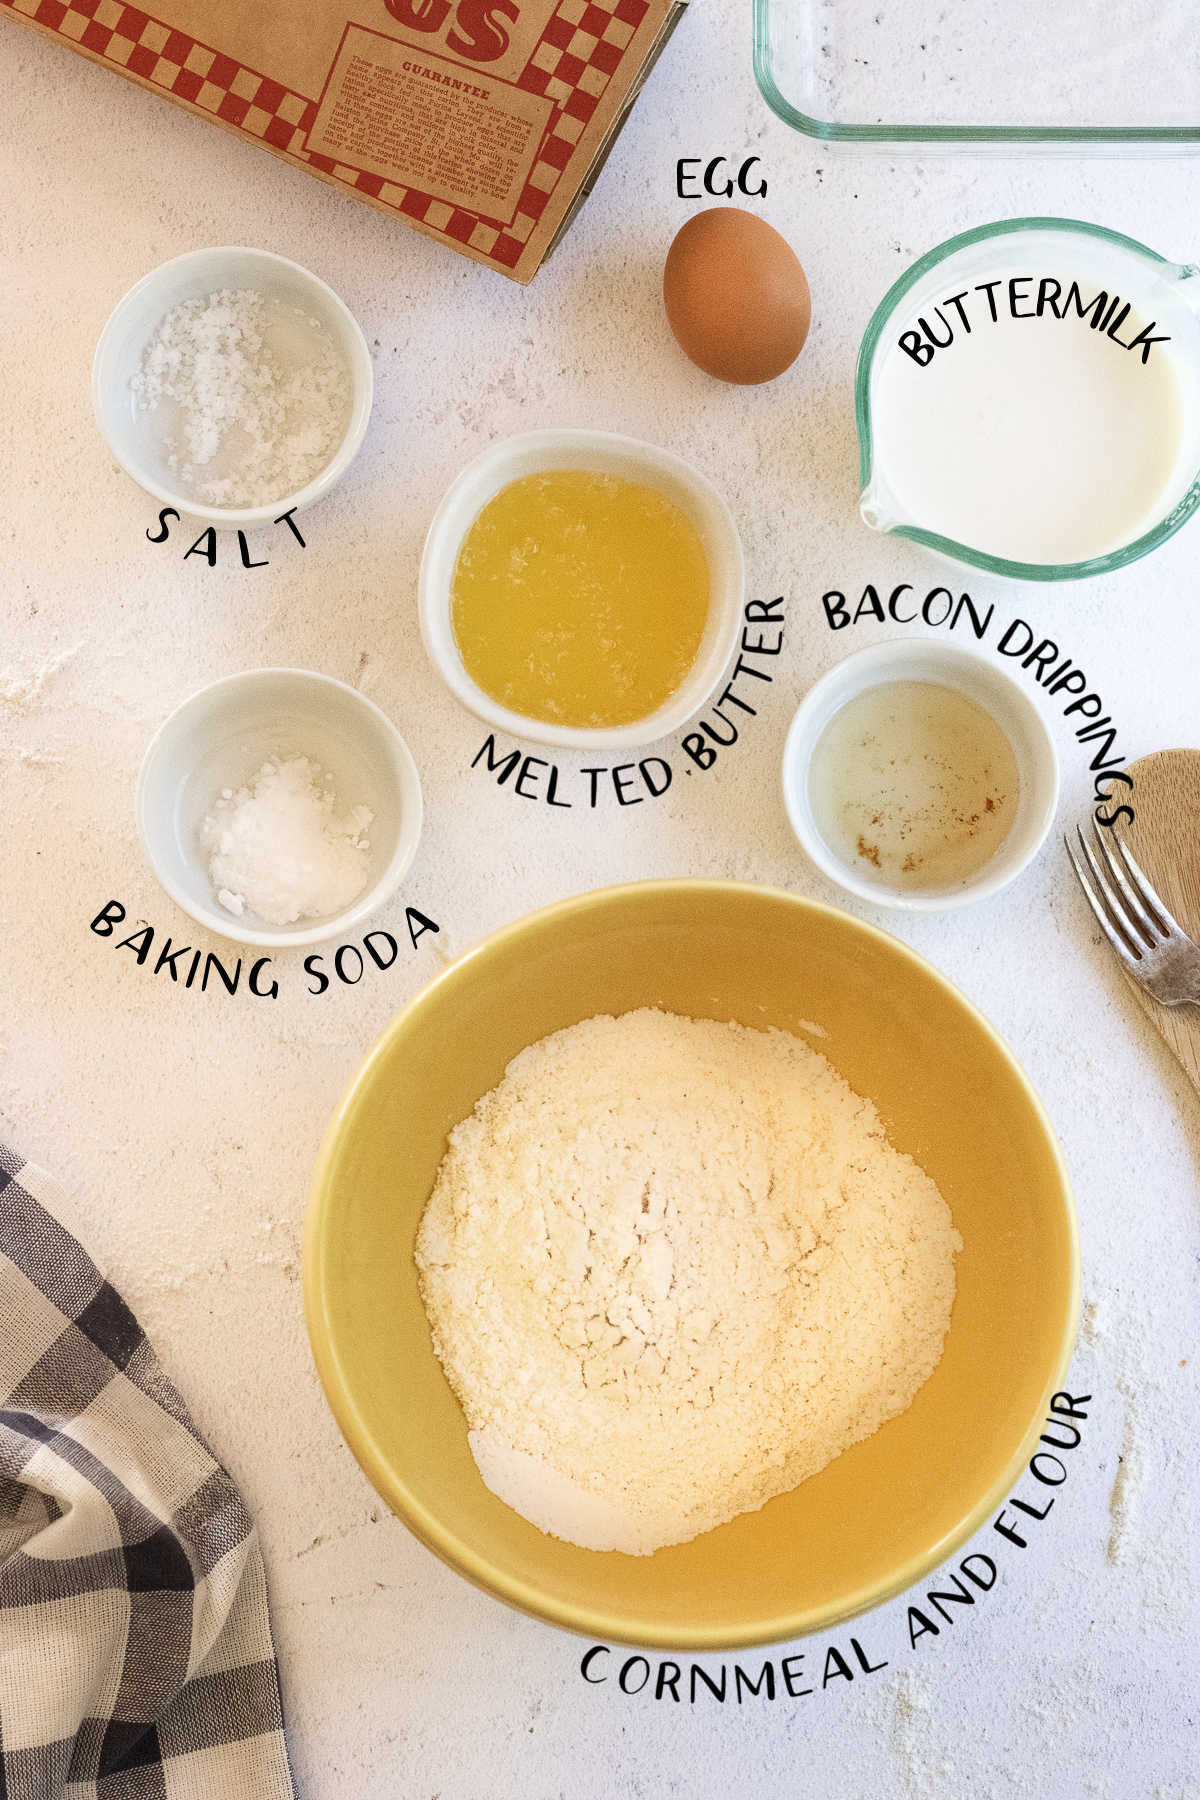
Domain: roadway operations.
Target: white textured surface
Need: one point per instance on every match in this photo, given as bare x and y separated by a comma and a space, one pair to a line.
187, 1123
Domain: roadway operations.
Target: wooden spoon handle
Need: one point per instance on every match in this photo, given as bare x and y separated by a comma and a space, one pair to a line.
1179, 1027
1164, 836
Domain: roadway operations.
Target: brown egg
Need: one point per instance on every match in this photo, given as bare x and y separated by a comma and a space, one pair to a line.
736, 296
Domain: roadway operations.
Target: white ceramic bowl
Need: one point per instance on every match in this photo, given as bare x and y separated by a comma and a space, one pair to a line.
220, 737
133, 436
949, 665
608, 454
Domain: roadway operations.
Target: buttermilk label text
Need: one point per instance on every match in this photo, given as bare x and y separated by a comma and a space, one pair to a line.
1025, 297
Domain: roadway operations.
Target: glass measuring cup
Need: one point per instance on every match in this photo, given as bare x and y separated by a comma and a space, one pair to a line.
1156, 290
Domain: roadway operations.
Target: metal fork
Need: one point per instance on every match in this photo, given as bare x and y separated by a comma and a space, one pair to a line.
1154, 949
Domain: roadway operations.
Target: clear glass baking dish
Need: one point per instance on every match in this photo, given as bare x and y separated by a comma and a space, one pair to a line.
1024, 74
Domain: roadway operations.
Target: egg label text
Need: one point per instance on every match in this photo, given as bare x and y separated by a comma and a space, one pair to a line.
695, 178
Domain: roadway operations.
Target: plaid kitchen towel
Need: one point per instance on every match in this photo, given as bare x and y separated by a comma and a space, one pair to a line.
136, 1659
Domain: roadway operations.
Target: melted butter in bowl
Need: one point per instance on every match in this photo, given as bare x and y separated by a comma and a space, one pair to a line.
581, 589
580, 598
915, 785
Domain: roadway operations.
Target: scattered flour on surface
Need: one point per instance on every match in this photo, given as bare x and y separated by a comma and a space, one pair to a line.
1096, 1332
673, 1267
39, 759
1126, 1366
19, 694
1150, 1541
255, 395
280, 849
912, 1740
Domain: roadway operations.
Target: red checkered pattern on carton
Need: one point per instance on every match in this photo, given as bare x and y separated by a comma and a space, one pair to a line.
577, 53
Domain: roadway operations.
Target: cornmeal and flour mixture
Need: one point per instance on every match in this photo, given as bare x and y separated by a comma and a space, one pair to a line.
673, 1268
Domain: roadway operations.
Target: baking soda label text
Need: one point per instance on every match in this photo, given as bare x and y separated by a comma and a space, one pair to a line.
184, 966
207, 546
718, 728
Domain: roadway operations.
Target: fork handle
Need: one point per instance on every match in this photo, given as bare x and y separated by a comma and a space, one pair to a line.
1179, 1027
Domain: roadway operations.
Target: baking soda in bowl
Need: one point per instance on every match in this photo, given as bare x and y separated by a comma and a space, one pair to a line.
1031, 417
282, 848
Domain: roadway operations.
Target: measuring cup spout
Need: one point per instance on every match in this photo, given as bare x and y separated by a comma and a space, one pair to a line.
1185, 280
877, 509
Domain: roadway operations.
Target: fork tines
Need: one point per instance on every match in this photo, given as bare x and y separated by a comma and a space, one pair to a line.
1127, 908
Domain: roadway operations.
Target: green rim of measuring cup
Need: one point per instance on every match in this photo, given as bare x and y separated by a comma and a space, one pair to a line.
1180, 513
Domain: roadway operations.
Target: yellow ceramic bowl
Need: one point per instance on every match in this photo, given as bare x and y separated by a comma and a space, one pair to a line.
888, 1510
